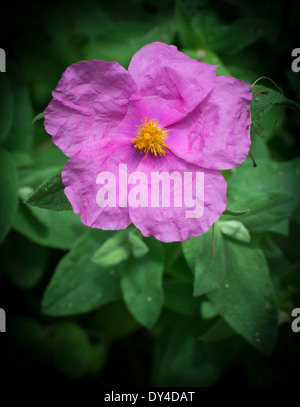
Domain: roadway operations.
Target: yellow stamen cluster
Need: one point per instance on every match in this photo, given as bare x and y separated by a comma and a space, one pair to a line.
151, 138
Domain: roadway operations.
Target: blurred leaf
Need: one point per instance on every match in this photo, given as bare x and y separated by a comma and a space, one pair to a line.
39, 116
24, 270
209, 272
29, 339
141, 284
50, 195
269, 247
262, 103
178, 268
48, 228
268, 210
235, 229
179, 297
113, 251
268, 176
110, 322
208, 310
281, 227
79, 285
98, 357
87, 19
234, 213
162, 31
217, 332
39, 165
20, 137
120, 42
139, 247
190, 38
245, 298
8, 193
6, 107
70, 349
180, 359
240, 34
271, 191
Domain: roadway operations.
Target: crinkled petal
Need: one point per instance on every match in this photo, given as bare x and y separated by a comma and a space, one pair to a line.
174, 223
82, 184
172, 84
216, 134
91, 98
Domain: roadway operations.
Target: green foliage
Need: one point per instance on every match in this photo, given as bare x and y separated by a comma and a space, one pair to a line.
263, 100
78, 284
141, 283
24, 270
50, 195
6, 107
8, 192
115, 250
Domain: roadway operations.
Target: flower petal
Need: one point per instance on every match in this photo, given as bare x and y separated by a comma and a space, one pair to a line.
172, 84
80, 176
216, 134
173, 223
90, 98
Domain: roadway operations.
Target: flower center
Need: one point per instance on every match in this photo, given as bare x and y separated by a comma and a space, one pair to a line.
151, 138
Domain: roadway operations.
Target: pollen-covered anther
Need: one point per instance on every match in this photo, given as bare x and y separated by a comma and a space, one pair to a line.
151, 138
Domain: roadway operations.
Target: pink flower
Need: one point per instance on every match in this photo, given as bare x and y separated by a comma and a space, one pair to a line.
167, 116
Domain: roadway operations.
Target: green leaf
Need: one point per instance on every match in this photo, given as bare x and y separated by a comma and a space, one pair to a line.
139, 247
235, 229
70, 349
262, 103
6, 107
269, 247
98, 357
180, 359
48, 228
234, 213
268, 176
79, 285
271, 191
114, 251
282, 227
268, 209
102, 321
8, 193
190, 38
24, 270
121, 41
228, 39
208, 310
141, 284
240, 34
217, 332
29, 339
40, 164
245, 298
209, 271
20, 137
50, 195
39, 116
179, 297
